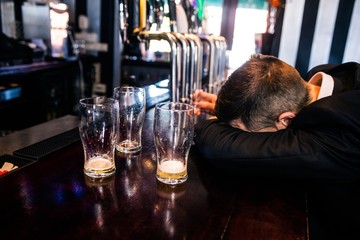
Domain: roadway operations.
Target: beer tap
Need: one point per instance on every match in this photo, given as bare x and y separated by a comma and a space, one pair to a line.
136, 22
123, 16
172, 15
151, 15
155, 13
159, 12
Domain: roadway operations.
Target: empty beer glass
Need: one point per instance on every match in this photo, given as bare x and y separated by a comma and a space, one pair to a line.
173, 136
132, 107
98, 130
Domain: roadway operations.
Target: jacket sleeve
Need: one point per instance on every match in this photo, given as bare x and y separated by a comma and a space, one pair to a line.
261, 154
322, 143
347, 74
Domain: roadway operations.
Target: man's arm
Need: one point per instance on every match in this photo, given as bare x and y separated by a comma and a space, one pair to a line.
321, 143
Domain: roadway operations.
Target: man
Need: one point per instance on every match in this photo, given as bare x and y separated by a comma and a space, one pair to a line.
273, 123
310, 137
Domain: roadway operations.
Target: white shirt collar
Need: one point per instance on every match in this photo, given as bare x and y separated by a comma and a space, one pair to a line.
325, 82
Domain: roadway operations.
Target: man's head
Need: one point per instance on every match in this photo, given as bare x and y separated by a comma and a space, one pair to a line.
262, 95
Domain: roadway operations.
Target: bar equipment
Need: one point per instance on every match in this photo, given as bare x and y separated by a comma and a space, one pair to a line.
215, 61
160, 59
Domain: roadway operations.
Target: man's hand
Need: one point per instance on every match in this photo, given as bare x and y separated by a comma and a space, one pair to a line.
204, 102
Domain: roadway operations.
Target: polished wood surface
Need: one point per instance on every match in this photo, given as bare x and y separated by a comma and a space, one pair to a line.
52, 199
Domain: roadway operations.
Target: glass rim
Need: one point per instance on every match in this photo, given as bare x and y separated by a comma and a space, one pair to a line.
100, 100
172, 106
129, 89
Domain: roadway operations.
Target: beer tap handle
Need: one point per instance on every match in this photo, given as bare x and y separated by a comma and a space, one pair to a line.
172, 15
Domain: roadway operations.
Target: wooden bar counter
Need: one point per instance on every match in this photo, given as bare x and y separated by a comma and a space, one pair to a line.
52, 199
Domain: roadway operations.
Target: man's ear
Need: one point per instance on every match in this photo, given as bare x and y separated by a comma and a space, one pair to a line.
237, 123
284, 120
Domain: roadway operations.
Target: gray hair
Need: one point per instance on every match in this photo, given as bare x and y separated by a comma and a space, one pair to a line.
259, 91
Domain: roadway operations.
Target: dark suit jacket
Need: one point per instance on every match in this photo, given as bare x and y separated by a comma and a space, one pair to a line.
323, 141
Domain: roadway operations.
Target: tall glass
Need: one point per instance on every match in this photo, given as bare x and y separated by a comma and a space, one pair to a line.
132, 107
98, 132
173, 136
